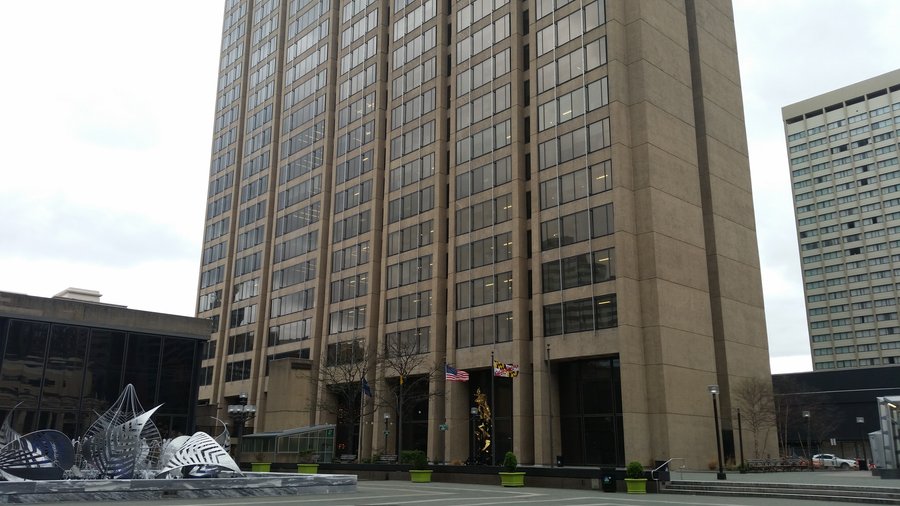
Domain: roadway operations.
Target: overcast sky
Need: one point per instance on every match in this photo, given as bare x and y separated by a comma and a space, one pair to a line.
106, 111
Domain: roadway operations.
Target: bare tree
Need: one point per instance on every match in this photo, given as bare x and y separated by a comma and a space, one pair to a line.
345, 368
757, 404
408, 376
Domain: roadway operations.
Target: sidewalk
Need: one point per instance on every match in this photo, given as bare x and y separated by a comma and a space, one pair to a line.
819, 477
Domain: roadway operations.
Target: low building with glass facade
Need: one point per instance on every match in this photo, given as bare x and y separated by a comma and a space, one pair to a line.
560, 185
65, 361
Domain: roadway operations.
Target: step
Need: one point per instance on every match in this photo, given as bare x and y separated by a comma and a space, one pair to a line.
844, 493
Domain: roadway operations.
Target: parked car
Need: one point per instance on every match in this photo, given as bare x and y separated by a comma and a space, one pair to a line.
829, 461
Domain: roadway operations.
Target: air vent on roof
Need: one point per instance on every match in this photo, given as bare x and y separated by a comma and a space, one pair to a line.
793, 120
855, 100
878, 93
833, 107
812, 114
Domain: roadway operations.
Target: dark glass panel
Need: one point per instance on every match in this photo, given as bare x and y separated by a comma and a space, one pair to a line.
102, 382
142, 366
63, 378
23, 366
175, 381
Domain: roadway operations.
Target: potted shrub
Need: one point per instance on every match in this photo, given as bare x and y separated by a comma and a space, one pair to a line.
419, 472
635, 482
308, 462
259, 466
509, 477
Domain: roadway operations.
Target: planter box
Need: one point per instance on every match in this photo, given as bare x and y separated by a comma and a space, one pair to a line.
307, 468
636, 485
420, 475
516, 479
260, 467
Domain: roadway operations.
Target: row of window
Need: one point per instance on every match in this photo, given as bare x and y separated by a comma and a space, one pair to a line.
485, 290
576, 143
409, 272
495, 328
299, 192
577, 227
484, 252
572, 65
571, 27
299, 219
483, 39
483, 178
412, 237
582, 315
483, 107
484, 214
579, 270
293, 303
483, 142
294, 274
350, 287
353, 196
412, 172
407, 307
414, 19
574, 104
576, 185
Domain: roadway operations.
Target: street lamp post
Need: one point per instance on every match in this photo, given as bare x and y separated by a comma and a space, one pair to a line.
740, 438
240, 413
860, 421
808, 449
387, 419
473, 412
714, 390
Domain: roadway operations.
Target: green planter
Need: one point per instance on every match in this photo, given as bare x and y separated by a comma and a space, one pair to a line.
636, 485
260, 467
307, 468
512, 479
420, 475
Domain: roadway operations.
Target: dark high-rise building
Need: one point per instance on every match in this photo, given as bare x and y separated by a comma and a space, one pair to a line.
562, 186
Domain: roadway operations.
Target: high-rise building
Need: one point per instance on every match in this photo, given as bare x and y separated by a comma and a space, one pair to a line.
842, 147
559, 186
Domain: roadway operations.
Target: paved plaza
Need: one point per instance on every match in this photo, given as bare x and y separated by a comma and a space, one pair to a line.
387, 493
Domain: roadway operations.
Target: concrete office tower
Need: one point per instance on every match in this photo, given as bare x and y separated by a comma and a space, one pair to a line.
564, 187
842, 147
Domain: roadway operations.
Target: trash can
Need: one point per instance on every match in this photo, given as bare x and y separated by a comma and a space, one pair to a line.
863, 465
608, 480
559, 461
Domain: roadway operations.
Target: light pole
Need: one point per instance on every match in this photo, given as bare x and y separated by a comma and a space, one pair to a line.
387, 419
808, 449
714, 390
240, 413
473, 412
860, 421
741, 438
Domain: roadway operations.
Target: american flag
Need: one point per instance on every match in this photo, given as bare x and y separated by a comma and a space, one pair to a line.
452, 374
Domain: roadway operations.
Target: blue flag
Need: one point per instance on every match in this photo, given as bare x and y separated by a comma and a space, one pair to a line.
365, 387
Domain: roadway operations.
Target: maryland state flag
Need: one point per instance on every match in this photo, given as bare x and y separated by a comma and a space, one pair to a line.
505, 370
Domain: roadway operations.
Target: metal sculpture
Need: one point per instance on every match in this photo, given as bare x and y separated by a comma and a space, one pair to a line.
123, 443
123, 439
40, 455
199, 456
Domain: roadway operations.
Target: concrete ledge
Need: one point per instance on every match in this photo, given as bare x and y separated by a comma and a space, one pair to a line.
251, 485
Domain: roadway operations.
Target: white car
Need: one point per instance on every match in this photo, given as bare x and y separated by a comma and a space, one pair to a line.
829, 461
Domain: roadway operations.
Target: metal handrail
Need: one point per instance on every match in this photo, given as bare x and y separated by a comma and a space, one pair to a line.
664, 464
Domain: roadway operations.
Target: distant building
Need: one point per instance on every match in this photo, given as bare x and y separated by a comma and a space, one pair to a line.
845, 175
65, 359
561, 185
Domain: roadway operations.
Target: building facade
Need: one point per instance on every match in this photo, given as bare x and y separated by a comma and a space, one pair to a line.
842, 147
560, 185
66, 359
